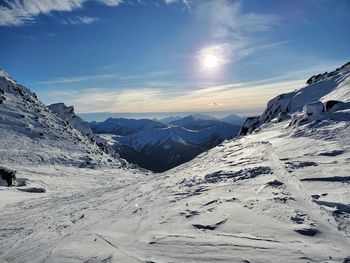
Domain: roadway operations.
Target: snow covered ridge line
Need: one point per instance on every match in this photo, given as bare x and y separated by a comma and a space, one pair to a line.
333, 86
158, 147
319, 77
9, 85
67, 114
31, 133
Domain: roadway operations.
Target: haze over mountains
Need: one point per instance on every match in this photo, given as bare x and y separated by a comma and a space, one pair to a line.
280, 191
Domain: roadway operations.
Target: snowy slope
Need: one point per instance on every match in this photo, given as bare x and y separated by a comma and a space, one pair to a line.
67, 114
155, 137
328, 86
32, 134
280, 194
158, 147
161, 149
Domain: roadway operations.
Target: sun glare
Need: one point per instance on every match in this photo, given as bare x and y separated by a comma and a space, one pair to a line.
210, 61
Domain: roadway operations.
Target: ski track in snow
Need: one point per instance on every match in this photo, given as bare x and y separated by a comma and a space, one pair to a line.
140, 218
280, 194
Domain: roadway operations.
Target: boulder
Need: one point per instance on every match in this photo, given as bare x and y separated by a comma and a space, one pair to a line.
312, 109
8, 175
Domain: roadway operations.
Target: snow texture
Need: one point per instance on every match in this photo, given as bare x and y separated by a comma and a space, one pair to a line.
280, 194
67, 114
328, 86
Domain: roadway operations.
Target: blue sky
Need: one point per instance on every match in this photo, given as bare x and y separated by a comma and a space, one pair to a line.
152, 56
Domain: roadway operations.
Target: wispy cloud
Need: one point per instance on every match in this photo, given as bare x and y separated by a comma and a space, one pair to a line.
65, 80
185, 2
21, 12
41, 36
111, 2
79, 20
18, 12
226, 19
215, 104
225, 52
234, 34
236, 96
148, 78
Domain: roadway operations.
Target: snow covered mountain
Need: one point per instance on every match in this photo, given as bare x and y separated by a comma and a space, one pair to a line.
67, 114
195, 116
230, 119
233, 119
203, 137
169, 119
279, 194
121, 126
161, 149
323, 87
158, 147
32, 134
198, 122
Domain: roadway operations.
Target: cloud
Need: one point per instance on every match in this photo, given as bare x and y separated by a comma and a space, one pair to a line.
214, 104
21, 12
226, 19
234, 34
185, 2
147, 77
111, 2
65, 80
236, 96
79, 20
225, 53
41, 36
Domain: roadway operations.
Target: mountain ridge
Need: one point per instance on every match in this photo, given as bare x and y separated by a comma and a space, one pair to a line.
323, 87
39, 135
278, 194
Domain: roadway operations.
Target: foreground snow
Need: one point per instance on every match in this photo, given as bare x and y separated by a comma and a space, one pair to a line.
279, 195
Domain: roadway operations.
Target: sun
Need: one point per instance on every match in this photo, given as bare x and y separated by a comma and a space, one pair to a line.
210, 61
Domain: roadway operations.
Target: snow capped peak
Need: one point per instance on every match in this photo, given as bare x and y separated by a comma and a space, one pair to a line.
334, 85
9, 85
32, 133
233, 119
5, 75
122, 126
67, 114
199, 116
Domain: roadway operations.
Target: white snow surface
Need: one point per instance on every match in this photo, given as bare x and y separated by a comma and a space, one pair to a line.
182, 135
31, 134
68, 114
116, 215
331, 86
280, 194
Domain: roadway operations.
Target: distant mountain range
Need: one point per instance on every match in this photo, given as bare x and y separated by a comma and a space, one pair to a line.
230, 119
122, 126
158, 146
